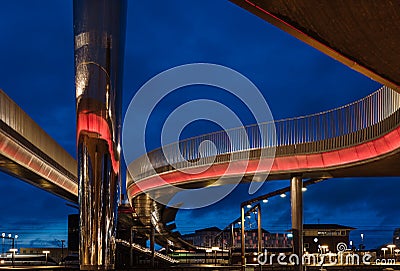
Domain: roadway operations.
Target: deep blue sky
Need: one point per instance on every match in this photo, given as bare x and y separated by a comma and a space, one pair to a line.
36, 70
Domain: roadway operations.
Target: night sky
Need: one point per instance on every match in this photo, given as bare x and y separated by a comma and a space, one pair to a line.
36, 71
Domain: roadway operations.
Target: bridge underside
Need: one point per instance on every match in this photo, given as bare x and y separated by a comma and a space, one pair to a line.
30, 154
363, 35
14, 169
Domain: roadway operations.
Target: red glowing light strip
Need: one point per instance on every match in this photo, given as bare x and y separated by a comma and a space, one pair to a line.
91, 122
358, 153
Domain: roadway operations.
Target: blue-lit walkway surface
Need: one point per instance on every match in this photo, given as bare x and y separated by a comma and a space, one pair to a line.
30, 154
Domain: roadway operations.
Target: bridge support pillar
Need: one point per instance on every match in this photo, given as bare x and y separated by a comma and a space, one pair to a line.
99, 30
152, 245
296, 185
243, 239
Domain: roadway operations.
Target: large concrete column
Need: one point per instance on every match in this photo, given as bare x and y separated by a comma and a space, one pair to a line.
296, 193
99, 29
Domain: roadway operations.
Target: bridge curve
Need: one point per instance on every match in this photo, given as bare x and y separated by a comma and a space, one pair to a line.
359, 139
334, 143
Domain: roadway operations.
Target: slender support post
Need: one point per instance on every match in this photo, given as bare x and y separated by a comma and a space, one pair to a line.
131, 249
152, 246
232, 247
259, 228
296, 186
242, 239
99, 32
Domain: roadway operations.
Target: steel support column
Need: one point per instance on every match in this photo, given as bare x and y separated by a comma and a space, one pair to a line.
152, 245
296, 185
259, 230
99, 30
243, 239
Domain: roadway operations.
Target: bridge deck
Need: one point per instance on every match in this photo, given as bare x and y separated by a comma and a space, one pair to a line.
29, 153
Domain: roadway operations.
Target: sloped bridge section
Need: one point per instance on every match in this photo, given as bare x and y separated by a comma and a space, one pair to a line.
30, 154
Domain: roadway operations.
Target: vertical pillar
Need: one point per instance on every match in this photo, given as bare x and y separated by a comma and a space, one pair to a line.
131, 249
152, 244
99, 30
296, 193
232, 243
259, 229
243, 239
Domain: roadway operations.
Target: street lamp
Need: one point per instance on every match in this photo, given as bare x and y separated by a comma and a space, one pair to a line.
16, 237
46, 252
384, 249
13, 250
362, 240
396, 251
391, 247
2, 236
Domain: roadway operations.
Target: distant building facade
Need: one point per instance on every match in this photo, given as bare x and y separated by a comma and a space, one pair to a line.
204, 237
330, 235
314, 236
214, 236
57, 254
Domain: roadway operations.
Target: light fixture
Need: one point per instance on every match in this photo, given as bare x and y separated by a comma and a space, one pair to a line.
304, 189
265, 200
283, 195
248, 206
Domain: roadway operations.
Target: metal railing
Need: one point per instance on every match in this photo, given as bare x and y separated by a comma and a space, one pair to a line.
146, 250
349, 125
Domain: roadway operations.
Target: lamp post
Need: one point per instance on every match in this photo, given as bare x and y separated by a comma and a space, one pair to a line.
362, 241
14, 241
13, 250
2, 236
46, 252
384, 249
391, 247
396, 251
9, 237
